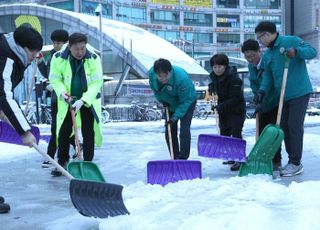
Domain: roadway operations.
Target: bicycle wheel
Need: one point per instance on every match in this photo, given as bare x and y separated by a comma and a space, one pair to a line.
202, 114
105, 116
151, 115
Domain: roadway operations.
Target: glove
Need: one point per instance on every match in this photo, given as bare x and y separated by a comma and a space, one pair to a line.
170, 122
165, 104
258, 97
49, 87
258, 110
218, 108
66, 97
211, 89
291, 52
77, 105
28, 139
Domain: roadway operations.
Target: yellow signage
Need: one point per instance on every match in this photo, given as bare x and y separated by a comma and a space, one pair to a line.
174, 2
28, 19
198, 3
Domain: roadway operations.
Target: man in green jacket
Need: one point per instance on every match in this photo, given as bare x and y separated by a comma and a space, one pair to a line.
297, 91
173, 87
267, 110
76, 73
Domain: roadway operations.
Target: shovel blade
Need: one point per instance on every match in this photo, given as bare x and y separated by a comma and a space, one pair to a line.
222, 147
97, 199
9, 135
260, 158
86, 170
170, 171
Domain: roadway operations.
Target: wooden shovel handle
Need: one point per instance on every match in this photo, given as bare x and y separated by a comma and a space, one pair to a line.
169, 134
59, 167
75, 130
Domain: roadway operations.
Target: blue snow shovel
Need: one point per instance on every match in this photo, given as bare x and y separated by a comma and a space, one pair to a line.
92, 198
170, 171
260, 158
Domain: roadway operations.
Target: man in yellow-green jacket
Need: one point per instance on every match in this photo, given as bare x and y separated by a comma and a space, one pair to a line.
76, 73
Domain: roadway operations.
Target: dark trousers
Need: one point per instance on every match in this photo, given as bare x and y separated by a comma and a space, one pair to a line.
52, 147
266, 119
185, 136
87, 120
292, 121
232, 132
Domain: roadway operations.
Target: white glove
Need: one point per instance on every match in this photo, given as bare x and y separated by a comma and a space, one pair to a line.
77, 105
49, 87
65, 96
28, 139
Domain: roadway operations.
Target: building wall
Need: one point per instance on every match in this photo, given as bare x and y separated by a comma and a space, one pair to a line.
197, 27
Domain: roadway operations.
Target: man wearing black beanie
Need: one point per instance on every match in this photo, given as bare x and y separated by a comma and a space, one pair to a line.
17, 50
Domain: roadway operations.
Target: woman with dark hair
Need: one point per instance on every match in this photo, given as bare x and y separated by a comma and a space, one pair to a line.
227, 85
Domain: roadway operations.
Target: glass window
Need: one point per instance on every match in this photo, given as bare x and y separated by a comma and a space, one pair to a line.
192, 19
168, 35
225, 20
66, 5
262, 4
251, 21
249, 36
228, 3
199, 37
164, 17
227, 39
131, 15
88, 7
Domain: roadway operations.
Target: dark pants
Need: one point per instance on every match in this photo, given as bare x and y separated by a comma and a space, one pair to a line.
266, 119
232, 132
292, 121
185, 136
87, 120
52, 147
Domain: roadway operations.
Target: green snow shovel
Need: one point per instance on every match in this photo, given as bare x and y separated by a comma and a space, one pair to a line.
82, 169
92, 198
260, 158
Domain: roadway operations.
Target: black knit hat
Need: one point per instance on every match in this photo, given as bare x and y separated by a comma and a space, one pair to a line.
26, 36
60, 36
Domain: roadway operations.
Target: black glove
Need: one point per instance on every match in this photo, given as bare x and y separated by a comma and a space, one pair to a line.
218, 108
170, 122
211, 89
165, 104
258, 97
259, 109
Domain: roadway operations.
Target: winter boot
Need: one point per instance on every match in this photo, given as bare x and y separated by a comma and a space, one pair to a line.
4, 208
1, 200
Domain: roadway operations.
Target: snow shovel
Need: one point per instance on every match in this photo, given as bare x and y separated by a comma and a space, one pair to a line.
170, 171
221, 147
82, 169
260, 158
9, 135
92, 198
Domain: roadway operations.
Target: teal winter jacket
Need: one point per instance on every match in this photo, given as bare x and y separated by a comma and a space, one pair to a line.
179, 92
271, 99
298, 82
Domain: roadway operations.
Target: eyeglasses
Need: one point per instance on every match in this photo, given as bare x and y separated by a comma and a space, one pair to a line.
261, 35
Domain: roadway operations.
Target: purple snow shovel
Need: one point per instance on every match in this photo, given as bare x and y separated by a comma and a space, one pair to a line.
222, 147
9, 135
170, 171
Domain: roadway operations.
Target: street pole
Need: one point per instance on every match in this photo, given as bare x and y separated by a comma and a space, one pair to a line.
98, 12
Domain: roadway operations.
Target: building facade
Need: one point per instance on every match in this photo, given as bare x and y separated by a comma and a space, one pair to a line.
200, 28
303, 20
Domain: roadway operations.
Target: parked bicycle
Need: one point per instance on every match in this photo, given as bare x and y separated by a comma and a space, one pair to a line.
142, 113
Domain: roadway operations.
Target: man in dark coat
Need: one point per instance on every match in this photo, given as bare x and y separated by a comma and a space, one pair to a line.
17, 50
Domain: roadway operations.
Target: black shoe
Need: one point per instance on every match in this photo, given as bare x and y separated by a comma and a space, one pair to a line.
46, 164
235, 166
4, 208
228, 162
1, 200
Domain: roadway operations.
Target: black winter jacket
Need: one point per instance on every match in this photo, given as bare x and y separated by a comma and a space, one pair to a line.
11, 74
231, 103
